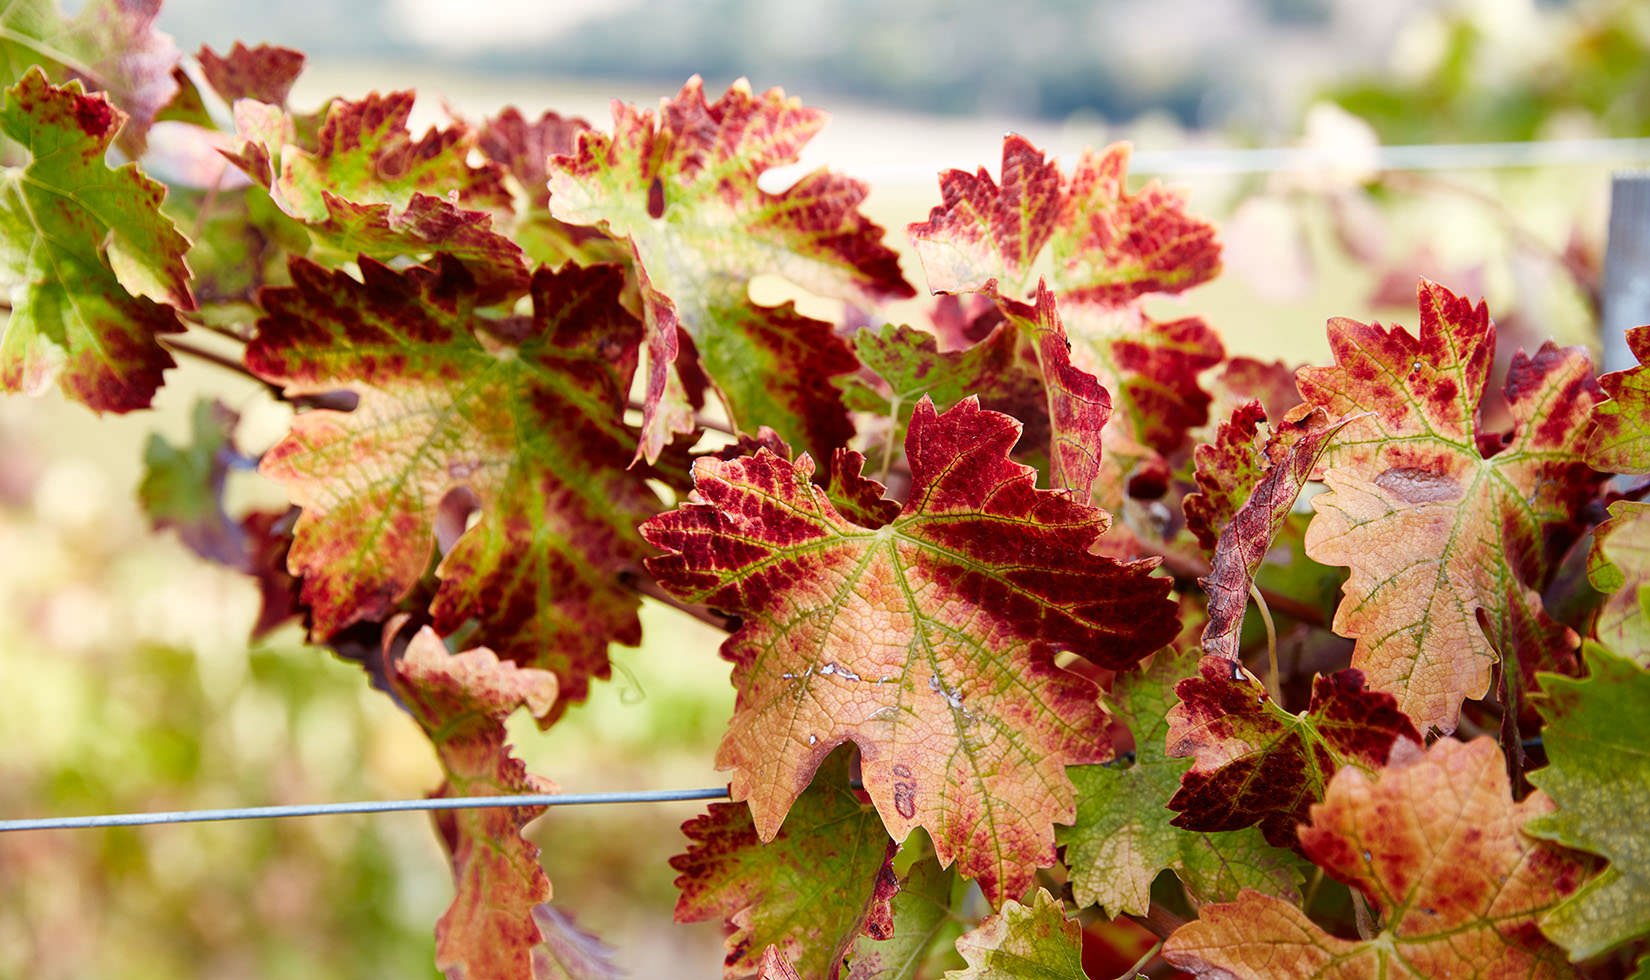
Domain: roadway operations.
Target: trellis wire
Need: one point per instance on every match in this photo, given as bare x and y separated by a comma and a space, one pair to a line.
1286, 159
364, 806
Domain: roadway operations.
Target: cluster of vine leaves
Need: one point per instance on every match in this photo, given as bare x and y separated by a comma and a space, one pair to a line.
985, 578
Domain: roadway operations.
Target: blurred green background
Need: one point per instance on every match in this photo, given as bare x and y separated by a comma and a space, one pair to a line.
130, 681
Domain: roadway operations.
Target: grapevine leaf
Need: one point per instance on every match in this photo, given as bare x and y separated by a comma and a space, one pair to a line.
1226, 472
365, 154
91, 260
1244, 379
110, 45
1023, 368
683, 182
825, 879
567, 952
1290, 454
1440, 522
1101, 249
1620, 441
1434, 844
1122, 838
929, 642
1035, 940
1619, 567
365, 186
924, 925
524, 413
776, 965
1254, 762
461, 701
426, 226
265, 73
1598, 775
269, 540
182, 487
524, 148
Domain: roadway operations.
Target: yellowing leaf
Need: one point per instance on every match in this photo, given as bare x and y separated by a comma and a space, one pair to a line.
1434, 843
1620, 440
461, 702
1619, 566
1440, 522
1035, 940
928, 641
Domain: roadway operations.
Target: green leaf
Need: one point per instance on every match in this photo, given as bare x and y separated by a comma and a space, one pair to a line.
1023, 942
182, 487
814, 889
1619, 566
1598, 773
1122, 837
91, 260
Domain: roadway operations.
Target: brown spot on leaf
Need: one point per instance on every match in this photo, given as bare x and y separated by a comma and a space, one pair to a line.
905, 792
1418, 486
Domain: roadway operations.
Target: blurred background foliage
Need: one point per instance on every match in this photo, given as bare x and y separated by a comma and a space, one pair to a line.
132, 684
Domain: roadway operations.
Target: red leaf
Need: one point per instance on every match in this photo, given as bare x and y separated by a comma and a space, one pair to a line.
1102, 249
1290, 455
683, 181
928, 642
461, 702
524, 413
1255, 762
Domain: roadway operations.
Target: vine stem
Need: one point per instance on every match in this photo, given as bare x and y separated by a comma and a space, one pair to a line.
1272, 681
1140, 964
188, 349
1158, 921
645, 585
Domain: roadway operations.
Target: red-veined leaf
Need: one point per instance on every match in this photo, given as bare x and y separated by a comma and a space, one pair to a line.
928, 641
